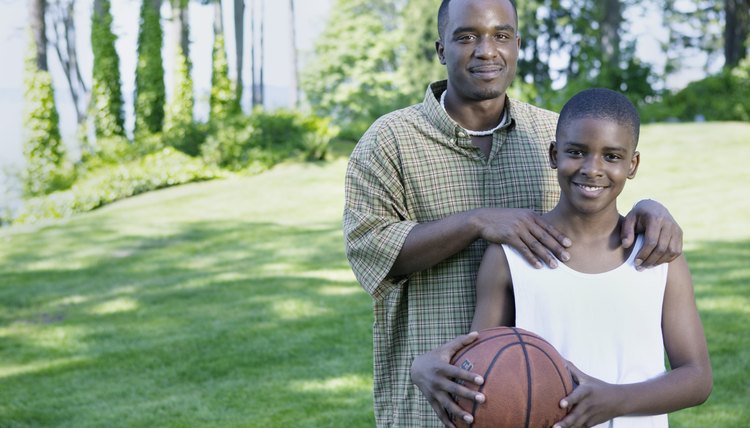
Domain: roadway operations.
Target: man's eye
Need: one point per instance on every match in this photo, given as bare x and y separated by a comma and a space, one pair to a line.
465, 38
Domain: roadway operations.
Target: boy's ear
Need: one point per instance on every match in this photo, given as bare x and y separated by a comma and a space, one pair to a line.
440, 49
553, 155
634, 162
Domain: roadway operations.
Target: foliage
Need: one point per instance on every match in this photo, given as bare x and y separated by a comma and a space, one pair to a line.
112, 182
259, 141
106, 102
353, 76
149, 74
47, 169
417, 57
224, 100
180, 131
723, 96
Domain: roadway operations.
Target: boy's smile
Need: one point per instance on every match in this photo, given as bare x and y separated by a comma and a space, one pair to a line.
594, 157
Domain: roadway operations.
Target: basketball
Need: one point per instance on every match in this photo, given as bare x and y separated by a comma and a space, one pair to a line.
524, 379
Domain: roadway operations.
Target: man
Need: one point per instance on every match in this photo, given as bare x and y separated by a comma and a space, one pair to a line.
425, 193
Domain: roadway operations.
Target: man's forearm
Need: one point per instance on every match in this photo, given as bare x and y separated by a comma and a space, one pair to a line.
430, 243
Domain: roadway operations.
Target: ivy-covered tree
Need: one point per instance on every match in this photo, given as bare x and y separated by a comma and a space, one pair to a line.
223, 100
43, 148
106, 95
149, 74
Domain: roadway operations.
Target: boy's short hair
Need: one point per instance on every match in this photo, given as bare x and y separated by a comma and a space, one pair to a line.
601, 103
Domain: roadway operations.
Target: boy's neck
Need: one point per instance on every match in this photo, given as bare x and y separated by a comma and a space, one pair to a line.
597, 246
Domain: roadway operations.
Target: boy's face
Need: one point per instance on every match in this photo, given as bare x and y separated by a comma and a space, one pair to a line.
593, 158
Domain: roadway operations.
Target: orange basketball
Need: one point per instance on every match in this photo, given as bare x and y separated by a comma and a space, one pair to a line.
524, 379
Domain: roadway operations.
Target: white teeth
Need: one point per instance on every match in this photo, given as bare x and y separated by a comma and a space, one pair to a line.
589, 188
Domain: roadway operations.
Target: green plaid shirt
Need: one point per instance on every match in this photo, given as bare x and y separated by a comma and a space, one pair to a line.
417, 165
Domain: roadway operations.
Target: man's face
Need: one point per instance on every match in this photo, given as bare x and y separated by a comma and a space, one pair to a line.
479, 48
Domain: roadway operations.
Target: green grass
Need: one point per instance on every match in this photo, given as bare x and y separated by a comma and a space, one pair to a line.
230, 303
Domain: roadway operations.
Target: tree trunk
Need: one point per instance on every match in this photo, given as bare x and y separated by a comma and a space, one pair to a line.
261, 88
736, 30
64, 43
37, 10
181, 26
239, 45
294, 100
610, 21
253, 90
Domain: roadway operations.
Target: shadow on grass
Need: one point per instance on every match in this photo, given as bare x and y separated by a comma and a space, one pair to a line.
245, 324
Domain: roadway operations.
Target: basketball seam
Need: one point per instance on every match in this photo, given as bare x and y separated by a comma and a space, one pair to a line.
486, 374
528, 377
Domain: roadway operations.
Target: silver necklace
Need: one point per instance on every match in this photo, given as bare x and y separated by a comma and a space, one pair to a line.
469, 131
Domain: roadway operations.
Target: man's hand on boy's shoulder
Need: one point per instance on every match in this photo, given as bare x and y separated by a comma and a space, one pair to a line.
438, 379
662, 236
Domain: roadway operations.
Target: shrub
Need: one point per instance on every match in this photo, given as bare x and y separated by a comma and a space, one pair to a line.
109, 183
723, 96
263, 139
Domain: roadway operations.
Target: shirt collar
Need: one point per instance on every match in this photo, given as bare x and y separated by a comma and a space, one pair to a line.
440, 119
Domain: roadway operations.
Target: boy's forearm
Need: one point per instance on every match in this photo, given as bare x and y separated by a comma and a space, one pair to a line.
683, 387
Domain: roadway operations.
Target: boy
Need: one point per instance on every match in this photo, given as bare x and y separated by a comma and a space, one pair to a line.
610, 320
600, 312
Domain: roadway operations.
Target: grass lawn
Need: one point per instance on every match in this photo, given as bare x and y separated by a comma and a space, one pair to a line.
230, 303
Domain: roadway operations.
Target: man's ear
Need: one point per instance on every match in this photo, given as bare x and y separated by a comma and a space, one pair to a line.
440, 49
634, 162
553, 155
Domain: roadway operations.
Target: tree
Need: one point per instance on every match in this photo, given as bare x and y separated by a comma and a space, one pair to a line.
223, 96
106, 93
295, 72
179, 112
736, 31
63, 30
261, 84
239, 43
149, 75
353, 76
708, 26
253, 89
417, 58
43, 148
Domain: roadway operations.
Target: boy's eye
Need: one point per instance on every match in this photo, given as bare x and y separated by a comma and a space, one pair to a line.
575, 153
612, 157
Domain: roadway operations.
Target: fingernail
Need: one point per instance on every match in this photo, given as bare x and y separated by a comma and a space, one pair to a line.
638, 262
552, 264
478, 380
564, 404
567, 242
479, 398
565, 256
537, 265
468, 418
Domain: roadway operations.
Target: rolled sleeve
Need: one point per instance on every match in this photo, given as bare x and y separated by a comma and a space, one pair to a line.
376, 219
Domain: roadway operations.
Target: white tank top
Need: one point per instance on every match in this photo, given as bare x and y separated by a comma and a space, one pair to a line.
607, 324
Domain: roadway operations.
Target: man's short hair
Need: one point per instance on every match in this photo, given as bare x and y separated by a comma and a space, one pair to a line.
601, 103
442, 21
